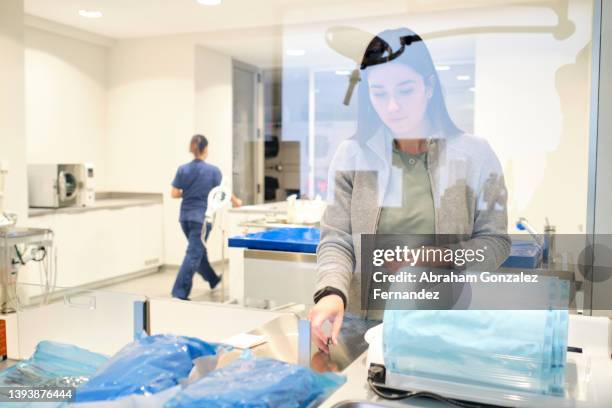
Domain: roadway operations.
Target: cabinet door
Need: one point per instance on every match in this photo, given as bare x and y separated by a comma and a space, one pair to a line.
136, 239
125, 241
81, 252
151, 235
97, 245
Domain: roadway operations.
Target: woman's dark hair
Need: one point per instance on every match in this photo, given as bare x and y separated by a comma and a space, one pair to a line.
198, 144
384, 47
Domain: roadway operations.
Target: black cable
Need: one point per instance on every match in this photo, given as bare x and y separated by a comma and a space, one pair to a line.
19, 257
422, 394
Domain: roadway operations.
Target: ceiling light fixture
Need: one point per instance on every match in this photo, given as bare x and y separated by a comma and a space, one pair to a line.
343, 72
463, 77
442, 67
209, 2
90, 13
296, 53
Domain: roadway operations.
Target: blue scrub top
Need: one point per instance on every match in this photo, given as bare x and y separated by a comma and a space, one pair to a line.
196, 179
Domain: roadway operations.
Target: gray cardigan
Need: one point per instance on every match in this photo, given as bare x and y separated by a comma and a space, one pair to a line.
468, 191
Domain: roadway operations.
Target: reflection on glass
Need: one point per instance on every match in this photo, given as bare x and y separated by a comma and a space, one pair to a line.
515, 74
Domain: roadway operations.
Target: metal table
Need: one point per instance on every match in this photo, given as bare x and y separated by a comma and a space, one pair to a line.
283, 343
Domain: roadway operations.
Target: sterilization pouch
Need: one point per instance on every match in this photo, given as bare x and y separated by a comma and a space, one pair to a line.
52, 365
146, 366
257, 382
513, 349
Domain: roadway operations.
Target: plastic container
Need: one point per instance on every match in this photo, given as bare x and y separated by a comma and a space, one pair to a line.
524, 255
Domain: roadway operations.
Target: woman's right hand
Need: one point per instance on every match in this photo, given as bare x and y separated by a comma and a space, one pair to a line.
329, 308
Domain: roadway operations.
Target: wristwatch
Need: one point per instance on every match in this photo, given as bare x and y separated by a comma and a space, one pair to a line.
328, 290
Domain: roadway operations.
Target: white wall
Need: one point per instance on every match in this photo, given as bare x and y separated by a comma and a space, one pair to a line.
532, 103
532, 91
66, 100
130, 108
12, 122
162, 91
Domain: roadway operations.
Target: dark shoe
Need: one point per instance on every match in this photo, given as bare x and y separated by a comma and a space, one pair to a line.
216, 282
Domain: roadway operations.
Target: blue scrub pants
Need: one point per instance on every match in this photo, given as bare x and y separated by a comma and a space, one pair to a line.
196, 260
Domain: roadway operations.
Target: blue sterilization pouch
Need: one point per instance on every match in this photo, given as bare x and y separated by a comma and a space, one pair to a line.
145, 366
513, 349
257, 382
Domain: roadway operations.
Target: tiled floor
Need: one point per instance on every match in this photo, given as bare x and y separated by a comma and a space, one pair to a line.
160, 285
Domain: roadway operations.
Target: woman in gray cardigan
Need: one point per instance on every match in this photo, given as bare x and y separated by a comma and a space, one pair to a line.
408, 170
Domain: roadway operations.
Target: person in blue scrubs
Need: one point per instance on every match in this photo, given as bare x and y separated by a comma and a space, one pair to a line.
193, 182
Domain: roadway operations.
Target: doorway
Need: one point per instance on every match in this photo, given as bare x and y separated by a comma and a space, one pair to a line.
247, 171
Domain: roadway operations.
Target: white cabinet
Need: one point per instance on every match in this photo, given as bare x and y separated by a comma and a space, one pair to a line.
151, 233
97, 245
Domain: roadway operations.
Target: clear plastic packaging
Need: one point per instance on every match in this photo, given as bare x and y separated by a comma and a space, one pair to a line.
52, 365
520, 350
257, 382
523, 350
146, 366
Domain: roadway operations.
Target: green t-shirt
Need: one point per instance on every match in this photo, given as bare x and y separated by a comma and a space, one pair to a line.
416, 215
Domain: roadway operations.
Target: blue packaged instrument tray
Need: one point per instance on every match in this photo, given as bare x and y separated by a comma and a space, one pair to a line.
523, 254
280, 239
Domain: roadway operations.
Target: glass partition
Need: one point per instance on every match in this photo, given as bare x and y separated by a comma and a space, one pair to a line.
515, 73
96, 320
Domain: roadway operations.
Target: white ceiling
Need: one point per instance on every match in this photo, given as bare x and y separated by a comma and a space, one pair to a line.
260, 31
253, 31
143, 18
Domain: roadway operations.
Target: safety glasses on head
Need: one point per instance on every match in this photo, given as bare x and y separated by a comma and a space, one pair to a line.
379, 51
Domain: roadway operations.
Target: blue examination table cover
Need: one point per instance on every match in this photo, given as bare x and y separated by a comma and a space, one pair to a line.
303, 240
523, 254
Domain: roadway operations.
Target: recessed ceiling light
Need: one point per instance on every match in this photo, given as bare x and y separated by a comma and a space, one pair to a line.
442, 67
90, 13
209, 2
472, 89
463, 77
343, 72
296, 53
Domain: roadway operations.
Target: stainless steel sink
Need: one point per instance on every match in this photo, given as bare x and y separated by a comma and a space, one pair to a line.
358, 404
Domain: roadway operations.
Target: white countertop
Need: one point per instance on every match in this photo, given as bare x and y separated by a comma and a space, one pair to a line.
279, 207
105, 201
